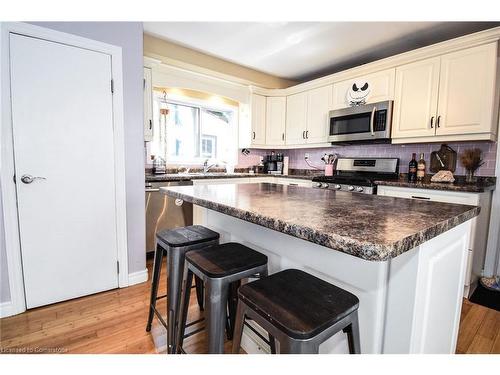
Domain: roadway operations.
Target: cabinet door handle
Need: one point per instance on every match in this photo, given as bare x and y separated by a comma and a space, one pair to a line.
432, 122
304, 134
253, 137
307, 134
438, 121
282, 136
372, 120
417, 197
150, 124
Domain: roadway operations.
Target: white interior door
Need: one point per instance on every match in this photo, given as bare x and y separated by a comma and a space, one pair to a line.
63, 131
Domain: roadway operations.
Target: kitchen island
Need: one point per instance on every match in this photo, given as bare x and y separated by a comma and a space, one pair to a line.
404, 259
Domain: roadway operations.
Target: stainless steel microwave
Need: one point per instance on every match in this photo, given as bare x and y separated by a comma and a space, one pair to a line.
370, 123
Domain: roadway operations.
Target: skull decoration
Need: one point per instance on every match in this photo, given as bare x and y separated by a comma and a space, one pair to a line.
358, 93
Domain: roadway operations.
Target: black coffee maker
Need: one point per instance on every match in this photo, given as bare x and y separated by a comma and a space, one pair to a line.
273, 164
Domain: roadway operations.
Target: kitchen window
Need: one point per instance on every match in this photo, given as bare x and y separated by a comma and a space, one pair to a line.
194, 131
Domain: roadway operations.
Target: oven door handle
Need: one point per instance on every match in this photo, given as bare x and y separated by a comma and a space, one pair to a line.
372, 119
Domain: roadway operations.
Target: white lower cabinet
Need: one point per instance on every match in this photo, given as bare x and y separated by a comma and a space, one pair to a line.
479, 227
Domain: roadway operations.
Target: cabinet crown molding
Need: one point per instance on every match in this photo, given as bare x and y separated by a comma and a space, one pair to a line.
447, 46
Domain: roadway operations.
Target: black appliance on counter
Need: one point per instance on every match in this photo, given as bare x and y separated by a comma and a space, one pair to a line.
273, 163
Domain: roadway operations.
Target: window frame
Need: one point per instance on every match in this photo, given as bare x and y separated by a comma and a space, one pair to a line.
199, 106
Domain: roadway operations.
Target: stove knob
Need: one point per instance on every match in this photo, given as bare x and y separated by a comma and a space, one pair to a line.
337, 187
325, 186
350, 188
318, 184
359, 189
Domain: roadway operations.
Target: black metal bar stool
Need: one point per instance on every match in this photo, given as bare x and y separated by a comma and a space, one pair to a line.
218, 267
299, 310
176, 243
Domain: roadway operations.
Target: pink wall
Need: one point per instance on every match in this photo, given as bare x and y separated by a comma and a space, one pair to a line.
403, 152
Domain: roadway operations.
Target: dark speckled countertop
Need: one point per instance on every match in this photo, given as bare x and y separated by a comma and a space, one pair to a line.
367, 226
216, 175
481, 185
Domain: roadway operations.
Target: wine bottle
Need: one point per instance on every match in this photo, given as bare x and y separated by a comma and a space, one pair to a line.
412, 169
421, 168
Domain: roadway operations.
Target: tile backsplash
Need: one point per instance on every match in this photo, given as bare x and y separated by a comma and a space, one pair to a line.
403, 152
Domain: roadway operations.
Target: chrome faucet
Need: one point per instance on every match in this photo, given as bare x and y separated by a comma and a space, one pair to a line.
207, 167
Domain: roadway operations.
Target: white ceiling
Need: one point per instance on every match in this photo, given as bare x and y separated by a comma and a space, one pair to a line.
304, 50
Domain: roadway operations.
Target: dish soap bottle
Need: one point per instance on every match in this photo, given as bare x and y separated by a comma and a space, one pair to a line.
421, 168
412, 169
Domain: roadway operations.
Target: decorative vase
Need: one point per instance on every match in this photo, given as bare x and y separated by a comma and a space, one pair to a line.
469, 177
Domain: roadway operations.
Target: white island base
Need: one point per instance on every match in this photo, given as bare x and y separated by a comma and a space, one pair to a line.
408, 304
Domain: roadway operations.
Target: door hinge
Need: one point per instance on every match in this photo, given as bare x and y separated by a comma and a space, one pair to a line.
117, 267
112, 87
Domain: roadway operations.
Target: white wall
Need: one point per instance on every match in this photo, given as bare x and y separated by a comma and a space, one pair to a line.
129, 36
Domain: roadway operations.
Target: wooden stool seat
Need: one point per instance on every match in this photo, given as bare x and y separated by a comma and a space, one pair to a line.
299, 304
299, 310
175, 243
219, 266
228, 259
186, 236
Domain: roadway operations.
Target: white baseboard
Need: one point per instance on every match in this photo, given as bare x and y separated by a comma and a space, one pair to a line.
137, 277
7, 309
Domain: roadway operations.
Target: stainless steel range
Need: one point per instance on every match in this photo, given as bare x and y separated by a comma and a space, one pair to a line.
357, 175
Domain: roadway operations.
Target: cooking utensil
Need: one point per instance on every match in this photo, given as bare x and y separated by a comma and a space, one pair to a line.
443, 159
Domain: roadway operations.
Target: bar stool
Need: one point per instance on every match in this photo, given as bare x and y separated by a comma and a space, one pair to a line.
299, 310
176, 243
218, 267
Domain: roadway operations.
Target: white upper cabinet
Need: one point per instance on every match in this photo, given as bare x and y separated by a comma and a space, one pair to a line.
416, 95
275, 120
258, 120
441, 93
307, 116
296, 118
447, 98
319, 104
148, 105
374, 87
467, 91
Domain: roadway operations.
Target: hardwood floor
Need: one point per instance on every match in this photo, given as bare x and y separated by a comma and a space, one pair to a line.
115, 321
479, 329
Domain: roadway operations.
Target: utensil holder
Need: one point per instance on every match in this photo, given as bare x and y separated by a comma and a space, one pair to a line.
329, 170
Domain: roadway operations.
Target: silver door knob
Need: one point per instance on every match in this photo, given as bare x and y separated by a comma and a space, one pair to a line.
28, 179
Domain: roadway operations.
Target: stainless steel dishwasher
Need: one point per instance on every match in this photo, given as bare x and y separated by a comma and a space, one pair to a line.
163, 213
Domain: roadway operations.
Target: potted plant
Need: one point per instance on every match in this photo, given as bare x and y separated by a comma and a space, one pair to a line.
471, 160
